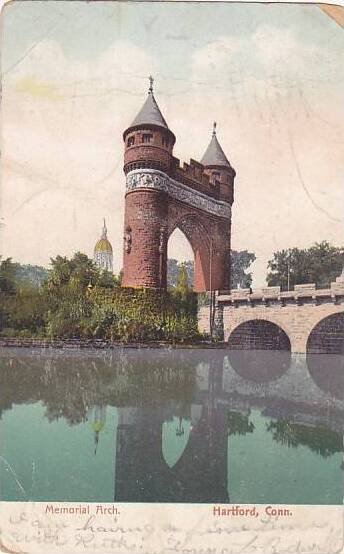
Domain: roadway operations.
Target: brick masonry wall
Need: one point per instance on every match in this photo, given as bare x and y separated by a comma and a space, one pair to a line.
145, 217
153, 151
151, 216
150, 219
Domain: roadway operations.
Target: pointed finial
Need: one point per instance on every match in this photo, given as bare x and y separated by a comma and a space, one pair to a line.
104, 233
151, 81
214, 128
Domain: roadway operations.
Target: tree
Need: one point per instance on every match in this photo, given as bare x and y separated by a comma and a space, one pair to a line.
184, 298
240, 262
173, 268
79, 272
31, 275
319, 264
182, 286
69, 306
325, 263
26, 311
21, 300
8, 271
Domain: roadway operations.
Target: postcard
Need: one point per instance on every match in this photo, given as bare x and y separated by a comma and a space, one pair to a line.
171, 277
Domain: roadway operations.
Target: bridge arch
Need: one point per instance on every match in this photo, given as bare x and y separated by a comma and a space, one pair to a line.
258, 334
274, 350
327, 336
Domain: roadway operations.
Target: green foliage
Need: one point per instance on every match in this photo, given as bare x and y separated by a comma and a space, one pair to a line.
31, 275
26, 310
320, 264
138, 315
79, 300
78, 273
318, 439
68, 304
239, 424
173, 270
240, 262
182, 286
8, 271
183, 300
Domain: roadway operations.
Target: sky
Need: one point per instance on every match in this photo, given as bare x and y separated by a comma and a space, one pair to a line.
74, 75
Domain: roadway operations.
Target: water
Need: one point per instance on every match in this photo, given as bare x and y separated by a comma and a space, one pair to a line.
171, 426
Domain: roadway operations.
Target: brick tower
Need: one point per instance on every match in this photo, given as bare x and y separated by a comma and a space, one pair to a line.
162, 196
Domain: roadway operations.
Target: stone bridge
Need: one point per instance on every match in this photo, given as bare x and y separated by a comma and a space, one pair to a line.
303, 320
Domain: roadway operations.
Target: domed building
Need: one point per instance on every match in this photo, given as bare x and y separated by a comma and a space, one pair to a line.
103, 251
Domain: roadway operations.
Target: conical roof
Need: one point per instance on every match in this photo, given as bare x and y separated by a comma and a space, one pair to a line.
150, 113
214, 155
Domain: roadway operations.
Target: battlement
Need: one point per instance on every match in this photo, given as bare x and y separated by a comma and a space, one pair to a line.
193, 175
303, 291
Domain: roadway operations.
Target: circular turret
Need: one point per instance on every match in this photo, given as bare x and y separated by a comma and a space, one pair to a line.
219, 169
148, 142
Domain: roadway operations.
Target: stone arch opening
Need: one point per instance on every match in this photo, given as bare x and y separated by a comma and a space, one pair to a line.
198, 238
259, 350
259, 334
327, 337
179, 250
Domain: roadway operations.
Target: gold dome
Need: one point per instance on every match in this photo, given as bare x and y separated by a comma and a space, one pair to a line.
103, 245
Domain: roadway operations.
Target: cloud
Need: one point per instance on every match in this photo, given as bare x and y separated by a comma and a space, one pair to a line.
216, 55
62, 127
269, 54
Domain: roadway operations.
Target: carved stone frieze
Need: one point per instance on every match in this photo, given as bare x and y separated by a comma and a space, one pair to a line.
152, 179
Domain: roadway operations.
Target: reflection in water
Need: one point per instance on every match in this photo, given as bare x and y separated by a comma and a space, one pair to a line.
97, 417
328, 372
257, 366
318, 439
190, 425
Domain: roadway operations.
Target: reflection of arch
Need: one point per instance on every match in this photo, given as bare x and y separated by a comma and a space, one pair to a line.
142, 474
327, 336
327, 372
175, 437
263, 366
198, 237
259, 334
